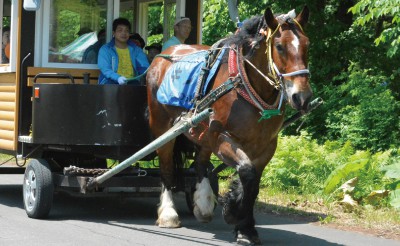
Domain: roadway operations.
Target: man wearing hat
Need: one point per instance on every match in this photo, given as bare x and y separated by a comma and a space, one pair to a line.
152, 51
182, 28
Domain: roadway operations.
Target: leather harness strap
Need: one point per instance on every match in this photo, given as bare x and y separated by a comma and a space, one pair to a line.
232, 64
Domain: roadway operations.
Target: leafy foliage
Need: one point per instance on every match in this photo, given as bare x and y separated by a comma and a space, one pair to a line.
366, 111
301, 165
386, 16
154, 39
70, 22
217, 23
155, 19
356, 162
392, 171
395, 199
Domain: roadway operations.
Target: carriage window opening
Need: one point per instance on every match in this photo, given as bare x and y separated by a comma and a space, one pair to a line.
149, 21
154, 25
6, 34
73, 27
65, 29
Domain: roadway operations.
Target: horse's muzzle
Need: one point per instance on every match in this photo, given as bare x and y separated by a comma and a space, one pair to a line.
299, 93
300, 100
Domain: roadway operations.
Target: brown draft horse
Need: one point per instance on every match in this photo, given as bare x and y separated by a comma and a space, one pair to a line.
272, 61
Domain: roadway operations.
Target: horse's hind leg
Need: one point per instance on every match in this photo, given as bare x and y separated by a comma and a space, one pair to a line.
204, 198
167, 215
160, 123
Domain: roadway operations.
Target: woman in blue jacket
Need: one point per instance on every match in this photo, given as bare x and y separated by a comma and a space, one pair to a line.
121, 58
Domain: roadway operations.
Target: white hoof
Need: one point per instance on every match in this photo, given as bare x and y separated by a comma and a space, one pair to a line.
168, 218
245, 240
167, 215
204, 201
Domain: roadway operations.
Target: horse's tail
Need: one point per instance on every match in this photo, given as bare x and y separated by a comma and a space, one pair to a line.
179, 154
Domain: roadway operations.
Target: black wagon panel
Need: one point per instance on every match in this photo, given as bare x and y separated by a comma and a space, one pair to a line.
79, 114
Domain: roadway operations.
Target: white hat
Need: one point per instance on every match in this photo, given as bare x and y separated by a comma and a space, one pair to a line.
179, 20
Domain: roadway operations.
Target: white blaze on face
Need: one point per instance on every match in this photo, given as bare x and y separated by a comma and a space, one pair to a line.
296, 43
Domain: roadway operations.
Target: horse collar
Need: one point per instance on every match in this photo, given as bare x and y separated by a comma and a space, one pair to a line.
246, 90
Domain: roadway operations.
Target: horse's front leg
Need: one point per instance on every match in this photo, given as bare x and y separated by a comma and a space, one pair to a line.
247, 189
238, 202
167, 215
204, 198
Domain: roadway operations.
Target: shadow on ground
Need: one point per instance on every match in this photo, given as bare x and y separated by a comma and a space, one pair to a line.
139, 214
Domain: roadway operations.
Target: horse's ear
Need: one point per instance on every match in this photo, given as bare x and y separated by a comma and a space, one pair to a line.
302, 18
270, 19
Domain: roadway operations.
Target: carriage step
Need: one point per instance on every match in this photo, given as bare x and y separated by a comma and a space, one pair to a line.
25, 139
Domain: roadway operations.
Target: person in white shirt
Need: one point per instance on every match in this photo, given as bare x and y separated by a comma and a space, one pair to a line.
182, 28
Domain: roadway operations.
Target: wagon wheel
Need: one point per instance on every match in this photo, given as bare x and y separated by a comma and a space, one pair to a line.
189, 191
38, 189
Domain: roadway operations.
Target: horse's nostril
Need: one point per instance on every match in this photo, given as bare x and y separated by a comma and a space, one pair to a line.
296, 100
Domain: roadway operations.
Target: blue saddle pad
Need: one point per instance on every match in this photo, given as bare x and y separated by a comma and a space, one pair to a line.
179, 84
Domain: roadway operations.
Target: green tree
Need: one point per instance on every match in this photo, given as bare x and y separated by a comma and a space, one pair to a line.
155, 28
155, 19
384, 15
217, 23
367, 113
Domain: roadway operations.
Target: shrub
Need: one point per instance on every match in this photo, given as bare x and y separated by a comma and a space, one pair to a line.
301, 165
367, 112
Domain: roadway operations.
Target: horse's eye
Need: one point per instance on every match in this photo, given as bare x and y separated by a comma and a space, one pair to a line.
279, 47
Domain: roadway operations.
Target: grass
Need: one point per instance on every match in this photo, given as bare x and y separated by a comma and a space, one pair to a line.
9, 160
384, 222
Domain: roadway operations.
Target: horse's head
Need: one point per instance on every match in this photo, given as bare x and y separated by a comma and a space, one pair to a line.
288, 48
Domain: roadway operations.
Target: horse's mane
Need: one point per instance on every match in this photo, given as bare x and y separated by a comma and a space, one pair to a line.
247, 33
249, 29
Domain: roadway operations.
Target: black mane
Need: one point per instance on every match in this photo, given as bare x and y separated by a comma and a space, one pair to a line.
247, 36
247, 32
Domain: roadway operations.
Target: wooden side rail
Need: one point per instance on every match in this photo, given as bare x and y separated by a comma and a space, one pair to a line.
77, 74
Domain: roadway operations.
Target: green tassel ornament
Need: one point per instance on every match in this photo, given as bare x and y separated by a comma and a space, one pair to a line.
266, 114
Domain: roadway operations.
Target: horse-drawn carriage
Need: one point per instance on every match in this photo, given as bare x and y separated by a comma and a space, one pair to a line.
76, 128
54, 113
236, 112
